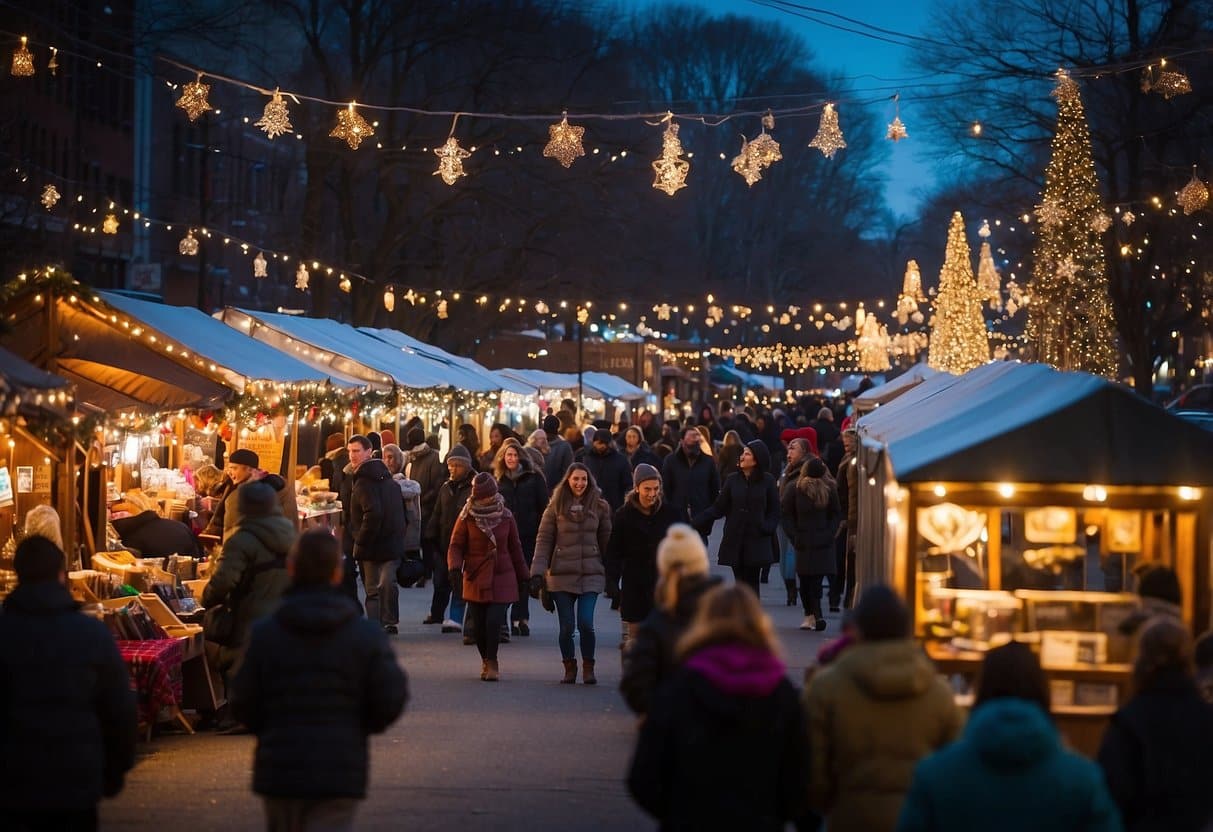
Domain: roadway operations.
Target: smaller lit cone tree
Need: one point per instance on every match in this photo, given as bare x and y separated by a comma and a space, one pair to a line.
959, 341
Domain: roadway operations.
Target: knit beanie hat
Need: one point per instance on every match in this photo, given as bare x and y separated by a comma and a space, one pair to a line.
460, 454
682, 548
243, 456
483, 486
815, 467
881, 615
600, 435
256, 499
643, 473
415, 437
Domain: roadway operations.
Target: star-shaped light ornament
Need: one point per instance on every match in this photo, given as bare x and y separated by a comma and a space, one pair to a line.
1050, 213
302, 278
829, 138
351, 127
1193, 196
897, 131
411, 297
1101, 222
450, 161
275, 120
50, 195
1067, 269
260, 267
110, 224
189, 244
193, 98
564, 142
671, 169
1128, 218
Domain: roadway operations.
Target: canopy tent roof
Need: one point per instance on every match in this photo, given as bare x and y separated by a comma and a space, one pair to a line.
602, 384
726, 374
27, 390
240, 359
1029, 423
463, 372
874, 397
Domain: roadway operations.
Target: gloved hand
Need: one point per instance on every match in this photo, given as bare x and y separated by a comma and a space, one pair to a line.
612, 592
537, 583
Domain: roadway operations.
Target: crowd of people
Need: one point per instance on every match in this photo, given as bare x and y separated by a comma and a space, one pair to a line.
875, 741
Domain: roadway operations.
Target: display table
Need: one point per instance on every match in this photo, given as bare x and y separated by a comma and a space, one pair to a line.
319, 517
155, 670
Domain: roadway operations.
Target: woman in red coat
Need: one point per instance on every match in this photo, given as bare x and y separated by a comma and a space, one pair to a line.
486, 556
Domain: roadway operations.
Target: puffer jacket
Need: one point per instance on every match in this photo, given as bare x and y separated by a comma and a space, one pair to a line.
67, 714
226, 516
410, 491
260, 542
873, 713
569, 553
376, 513
631, 555
488, 577
317, 679
810, 517
424, 465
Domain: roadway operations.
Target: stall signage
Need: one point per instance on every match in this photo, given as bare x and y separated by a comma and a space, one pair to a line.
42, 479
268, 448
6, 487
25, 479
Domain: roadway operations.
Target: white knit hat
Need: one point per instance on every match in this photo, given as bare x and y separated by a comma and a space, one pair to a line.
682, 549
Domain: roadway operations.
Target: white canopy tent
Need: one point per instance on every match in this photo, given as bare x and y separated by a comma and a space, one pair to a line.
874, 397
465, 373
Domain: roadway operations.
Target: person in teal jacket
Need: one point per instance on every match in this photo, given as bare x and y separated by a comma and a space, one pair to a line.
1009, 771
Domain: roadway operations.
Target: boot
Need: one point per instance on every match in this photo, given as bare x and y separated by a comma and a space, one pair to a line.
490, 672
790, 584
570, 672
587, 672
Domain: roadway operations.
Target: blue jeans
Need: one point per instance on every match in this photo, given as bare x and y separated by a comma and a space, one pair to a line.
787, 557
582, 619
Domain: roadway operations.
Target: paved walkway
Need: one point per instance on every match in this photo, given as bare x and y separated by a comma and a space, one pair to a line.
524, 754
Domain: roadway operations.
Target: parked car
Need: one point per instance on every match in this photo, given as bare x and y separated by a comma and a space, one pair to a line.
1200, 418
1198, 397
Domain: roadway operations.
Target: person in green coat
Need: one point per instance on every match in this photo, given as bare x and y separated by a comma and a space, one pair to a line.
1009, 771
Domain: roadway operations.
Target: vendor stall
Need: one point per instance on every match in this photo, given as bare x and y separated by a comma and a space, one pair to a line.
602, 393
874, 397
1015, 502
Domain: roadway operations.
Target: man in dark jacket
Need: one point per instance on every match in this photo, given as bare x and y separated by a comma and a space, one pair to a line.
423, 465
689, 479
316, 681
67, 715
452, 497
244, 466
560, 452
609, 468
377, 526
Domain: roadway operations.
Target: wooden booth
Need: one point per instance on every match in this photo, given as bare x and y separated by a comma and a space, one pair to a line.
1016, 502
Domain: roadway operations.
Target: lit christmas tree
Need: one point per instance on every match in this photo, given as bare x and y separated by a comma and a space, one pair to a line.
959, 341
1070, 322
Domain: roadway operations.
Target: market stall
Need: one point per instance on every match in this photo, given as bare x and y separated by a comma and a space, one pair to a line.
603, 394
874, 397
1014, 502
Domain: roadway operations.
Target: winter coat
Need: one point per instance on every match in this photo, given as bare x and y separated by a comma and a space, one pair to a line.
488, 579
631, 555
526, 496
67, 714
750, 508
1008, 773
452, 497
570, 551
155, 536
848, 491
376, 513
317, 679
423, 465
1157, 759
643, 455
810, 517
410, 492
690, 487
558, 460
612, 473
261, 543
873, 713
226, 516
723, 746
649, 658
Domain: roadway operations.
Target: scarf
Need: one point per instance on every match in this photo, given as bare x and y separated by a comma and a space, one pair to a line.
486, 514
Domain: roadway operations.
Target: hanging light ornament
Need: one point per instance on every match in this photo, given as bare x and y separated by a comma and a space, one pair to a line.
541, 308
1050, 213
193, 98
442, 313
110, 224
23, 60
1101, 222
260, 267
759, 154
189, 244
988, 282
911, 293
897, 130
829, 138
1128, 218
450, 161
564, 142
1193, 196
275, 120
302, 277
1167, 82
389, 299
50, 195
53, 63
344, 284
351, 127
671, 169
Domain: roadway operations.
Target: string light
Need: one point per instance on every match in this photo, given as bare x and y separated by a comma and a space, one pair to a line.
958, 333
23, 60
193, 98
450, 161
670, 170
564, 142
50, 195
829, 138
275, 120
351, 127
189, 244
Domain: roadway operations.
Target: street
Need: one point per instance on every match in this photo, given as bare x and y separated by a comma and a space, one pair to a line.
523, 754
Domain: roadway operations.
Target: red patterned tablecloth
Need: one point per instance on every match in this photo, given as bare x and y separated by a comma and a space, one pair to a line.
155, 668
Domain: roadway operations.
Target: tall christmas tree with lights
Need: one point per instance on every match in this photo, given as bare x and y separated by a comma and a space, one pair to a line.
959, 341
1070, 322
